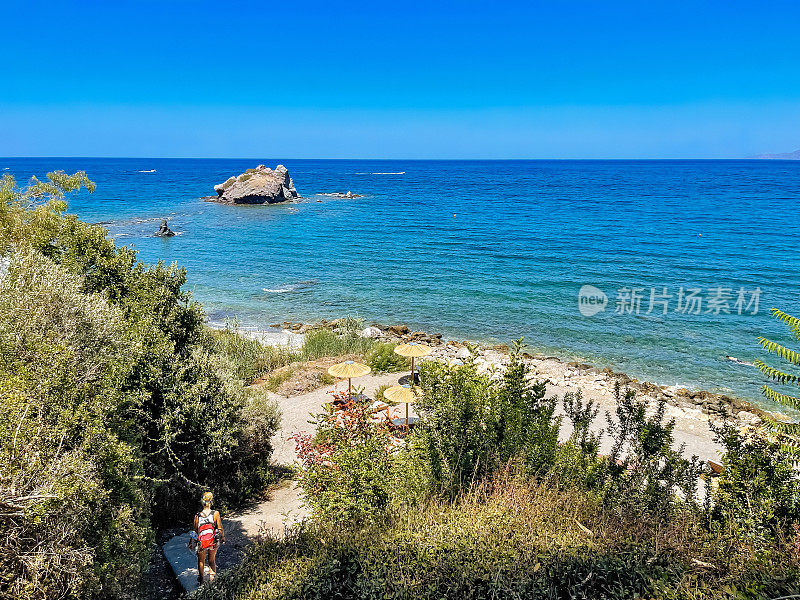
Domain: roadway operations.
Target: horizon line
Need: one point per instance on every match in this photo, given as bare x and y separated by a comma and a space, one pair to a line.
759, 158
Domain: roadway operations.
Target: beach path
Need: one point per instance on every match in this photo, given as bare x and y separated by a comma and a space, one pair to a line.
284, 505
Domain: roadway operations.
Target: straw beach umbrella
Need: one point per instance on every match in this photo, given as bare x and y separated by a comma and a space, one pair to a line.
400, 394
413, 350
347, 370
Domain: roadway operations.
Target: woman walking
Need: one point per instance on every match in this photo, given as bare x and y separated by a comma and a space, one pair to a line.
210, 533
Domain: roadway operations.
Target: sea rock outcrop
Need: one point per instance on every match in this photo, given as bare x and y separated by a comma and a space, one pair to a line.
261, 185
164, 230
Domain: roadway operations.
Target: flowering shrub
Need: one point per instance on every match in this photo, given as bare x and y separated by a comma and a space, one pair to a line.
347, 464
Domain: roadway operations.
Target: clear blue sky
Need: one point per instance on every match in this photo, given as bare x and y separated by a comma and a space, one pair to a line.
554, 79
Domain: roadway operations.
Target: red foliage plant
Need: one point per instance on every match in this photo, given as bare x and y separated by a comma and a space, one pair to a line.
347, 421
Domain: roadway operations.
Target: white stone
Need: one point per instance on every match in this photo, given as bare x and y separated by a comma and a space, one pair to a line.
463, 353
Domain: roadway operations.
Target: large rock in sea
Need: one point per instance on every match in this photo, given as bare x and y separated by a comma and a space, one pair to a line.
261, 185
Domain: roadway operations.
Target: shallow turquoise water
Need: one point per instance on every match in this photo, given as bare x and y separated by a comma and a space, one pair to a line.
487, 250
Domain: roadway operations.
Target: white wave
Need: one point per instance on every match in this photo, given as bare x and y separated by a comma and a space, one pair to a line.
150, 171
292, 287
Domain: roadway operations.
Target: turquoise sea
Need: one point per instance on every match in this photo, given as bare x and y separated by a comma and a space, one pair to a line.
487, 250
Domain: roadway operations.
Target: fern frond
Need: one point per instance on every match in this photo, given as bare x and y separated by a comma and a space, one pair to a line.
784, 399
775, 348
792, 453
785, 428
793, 323
776, 374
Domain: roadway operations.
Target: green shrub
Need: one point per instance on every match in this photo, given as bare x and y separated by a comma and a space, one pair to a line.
382, 358
274, 357
471, 426
73, 504
347, 466
244, 353
117, 405
757, 498
643, 470
351, 325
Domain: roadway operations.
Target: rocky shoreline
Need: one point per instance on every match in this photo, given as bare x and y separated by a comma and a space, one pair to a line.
593, 381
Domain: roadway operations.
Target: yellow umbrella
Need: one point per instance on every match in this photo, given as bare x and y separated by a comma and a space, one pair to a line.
347, 370
400, 394
413, 350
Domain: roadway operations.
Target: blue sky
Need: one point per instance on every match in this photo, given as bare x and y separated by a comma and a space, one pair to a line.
553, 79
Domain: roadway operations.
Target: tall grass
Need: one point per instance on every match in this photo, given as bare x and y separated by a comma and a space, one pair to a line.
324, 342
252, 359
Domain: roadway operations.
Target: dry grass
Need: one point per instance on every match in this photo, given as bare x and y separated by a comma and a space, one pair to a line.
302, 377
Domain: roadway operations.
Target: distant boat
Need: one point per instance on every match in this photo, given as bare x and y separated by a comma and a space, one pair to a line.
150, 171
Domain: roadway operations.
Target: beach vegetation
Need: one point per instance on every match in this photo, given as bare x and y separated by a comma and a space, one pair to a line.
118, 407
321, 343
347, 465
506, 538
382, 358
483, 501
757, 496
785, 429
379, 397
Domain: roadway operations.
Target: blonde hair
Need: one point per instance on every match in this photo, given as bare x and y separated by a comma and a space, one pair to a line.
207, 498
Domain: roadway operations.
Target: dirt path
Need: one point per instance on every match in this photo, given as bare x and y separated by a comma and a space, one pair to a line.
284, 506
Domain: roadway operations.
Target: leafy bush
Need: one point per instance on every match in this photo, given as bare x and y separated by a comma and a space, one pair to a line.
245, 354
471, 426
757, 497
351, 325
274, 357
118, 407
73, 508
382, 358
577, 460
346, 475
644, 471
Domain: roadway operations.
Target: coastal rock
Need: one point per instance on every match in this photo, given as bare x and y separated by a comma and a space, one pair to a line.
398, 330
463, 353
261, 185
349, 194
370, 333
164, 230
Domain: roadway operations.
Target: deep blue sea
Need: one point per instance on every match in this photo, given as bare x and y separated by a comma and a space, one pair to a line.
487, 250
